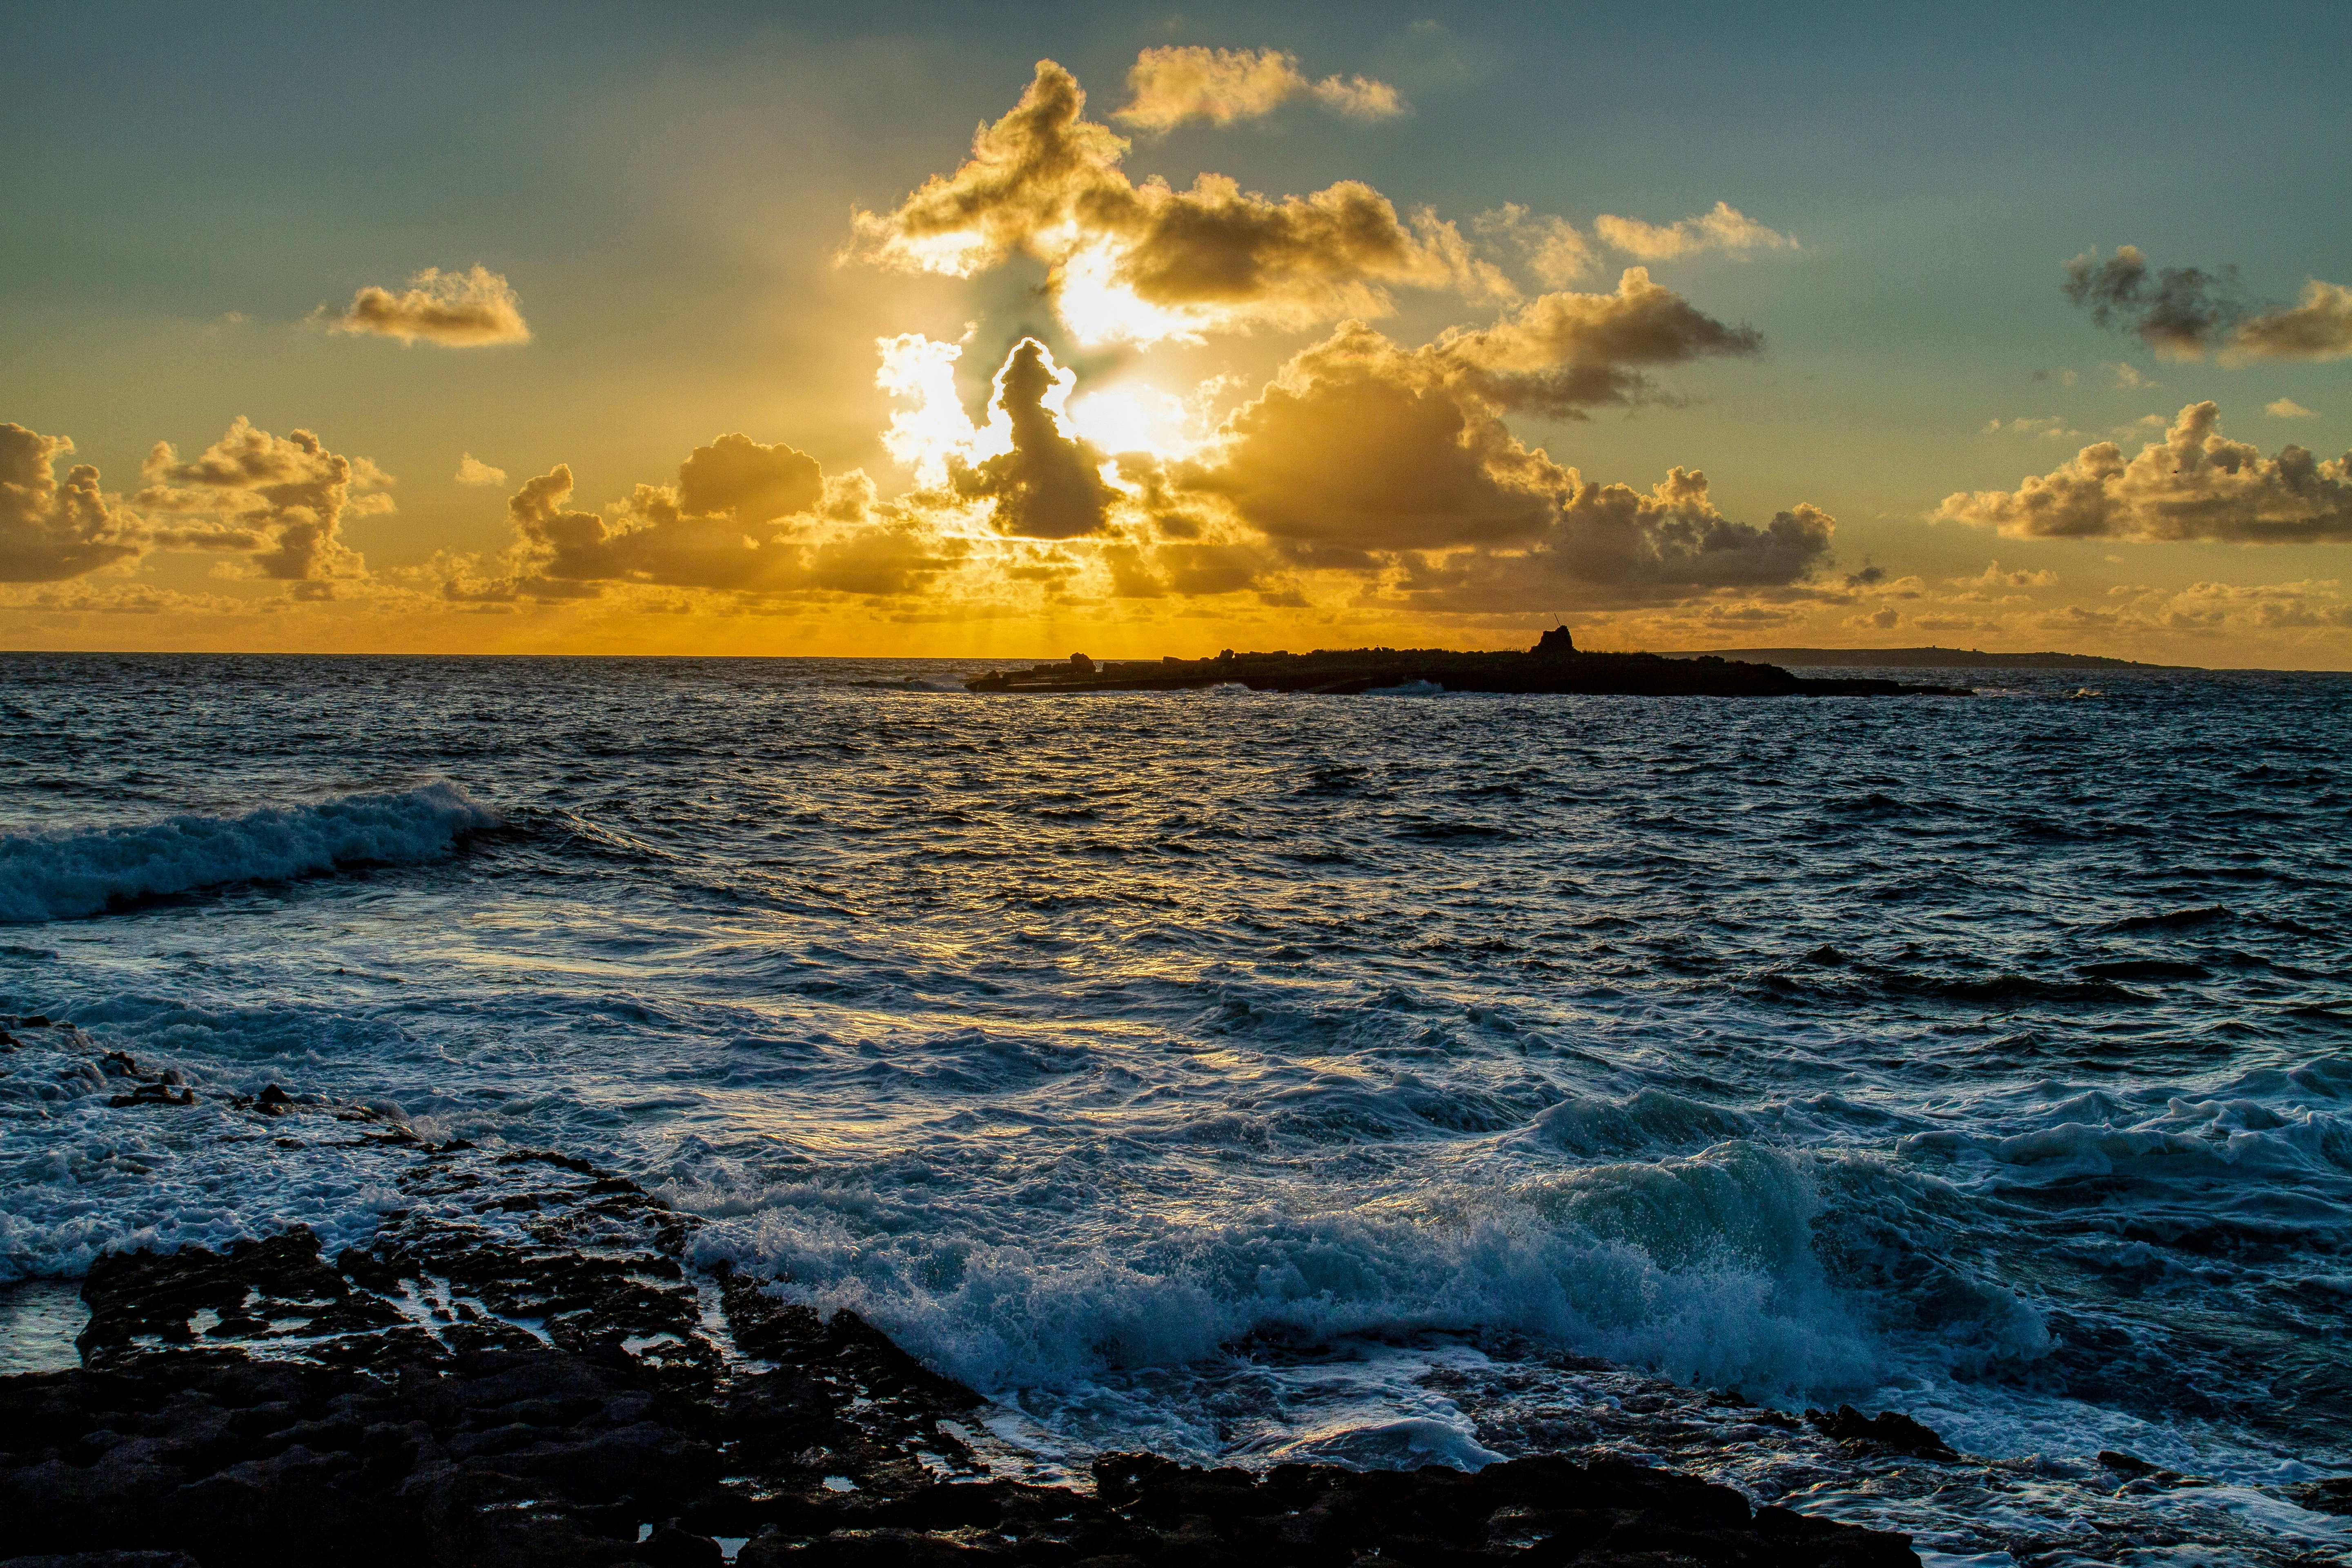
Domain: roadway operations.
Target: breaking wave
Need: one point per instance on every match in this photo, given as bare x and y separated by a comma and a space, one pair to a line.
63, 874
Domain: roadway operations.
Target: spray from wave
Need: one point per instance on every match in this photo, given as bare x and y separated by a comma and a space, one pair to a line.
63, 874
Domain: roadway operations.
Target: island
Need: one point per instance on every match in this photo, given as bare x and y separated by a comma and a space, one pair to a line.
1920, 659
1555, 665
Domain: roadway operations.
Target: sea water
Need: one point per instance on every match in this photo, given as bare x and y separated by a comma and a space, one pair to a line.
1385, 1079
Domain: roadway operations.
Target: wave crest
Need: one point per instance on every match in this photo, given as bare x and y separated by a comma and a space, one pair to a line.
64, 874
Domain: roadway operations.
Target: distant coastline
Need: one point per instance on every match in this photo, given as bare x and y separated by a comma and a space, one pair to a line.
1917, 659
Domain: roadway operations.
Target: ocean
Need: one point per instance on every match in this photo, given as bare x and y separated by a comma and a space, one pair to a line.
1384, 1080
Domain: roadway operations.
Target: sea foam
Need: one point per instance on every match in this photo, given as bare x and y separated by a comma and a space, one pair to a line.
61, 874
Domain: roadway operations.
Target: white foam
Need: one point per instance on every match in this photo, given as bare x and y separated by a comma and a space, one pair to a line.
62, 874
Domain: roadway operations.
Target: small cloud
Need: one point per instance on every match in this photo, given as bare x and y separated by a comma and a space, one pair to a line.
1992, 577
2127, 377
472, 471
2287, 408
234, 318
473, 309
1724, 228
2050, 425
1187, 85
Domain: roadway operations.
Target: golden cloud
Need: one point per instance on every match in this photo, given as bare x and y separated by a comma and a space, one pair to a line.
1725, 227
741, 517
282, 500
2195, 484
473, 309
1145, 263
1187, 85
50, 532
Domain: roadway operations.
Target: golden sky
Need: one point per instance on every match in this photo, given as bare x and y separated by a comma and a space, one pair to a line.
704, 349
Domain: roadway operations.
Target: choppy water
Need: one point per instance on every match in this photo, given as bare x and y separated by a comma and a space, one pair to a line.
1277, 1076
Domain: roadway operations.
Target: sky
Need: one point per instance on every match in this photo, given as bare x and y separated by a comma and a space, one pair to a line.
1007, 331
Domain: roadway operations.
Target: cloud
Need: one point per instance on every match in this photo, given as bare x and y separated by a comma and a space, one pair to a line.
2052, 426
2183, 313
1187, 85
281, 501
740, 518
472, 471
2195, 484
2319, 328
1992, 577
1556, 251
2288, 408
1145, 263
1564, 352
1048, 484
1724, 228
50, 532
456, 309
1363, 456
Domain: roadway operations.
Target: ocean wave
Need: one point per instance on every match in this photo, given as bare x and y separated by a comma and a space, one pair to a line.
65, 874
1700, 1268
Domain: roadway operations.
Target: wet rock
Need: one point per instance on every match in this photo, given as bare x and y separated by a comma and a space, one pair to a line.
1890, 1430
2333, 1495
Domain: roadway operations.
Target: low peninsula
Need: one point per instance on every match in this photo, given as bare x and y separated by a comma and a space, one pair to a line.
1555, 665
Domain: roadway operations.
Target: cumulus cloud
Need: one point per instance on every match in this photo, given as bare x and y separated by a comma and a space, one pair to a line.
1565, 351
1047, 484
741, 517
2288, 408
1189, 84
50, 532
1362, 455
472, 471
281, 500
1143, 263
2320, 327
2184, 312
1725, 227
2195, 484
1993, 578
472, 308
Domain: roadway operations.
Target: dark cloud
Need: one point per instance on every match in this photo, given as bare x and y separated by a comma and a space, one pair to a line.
2177, 310
1050, 485
1563, 352
50, 532
2195, 484
2185, 311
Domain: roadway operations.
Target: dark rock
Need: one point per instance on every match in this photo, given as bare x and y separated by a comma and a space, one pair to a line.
2333, 1495
1554, 665
1890, 1430
273, 1096
670, 1547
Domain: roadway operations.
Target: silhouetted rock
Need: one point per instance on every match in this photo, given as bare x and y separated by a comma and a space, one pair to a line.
1889, 1429
1553, 666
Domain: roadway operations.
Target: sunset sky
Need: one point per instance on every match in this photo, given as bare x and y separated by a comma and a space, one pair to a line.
886, 329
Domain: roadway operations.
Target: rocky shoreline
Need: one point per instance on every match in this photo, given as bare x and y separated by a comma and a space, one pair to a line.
526, 1368
1554, 666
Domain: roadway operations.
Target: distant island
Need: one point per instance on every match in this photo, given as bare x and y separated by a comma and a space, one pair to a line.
1554, 665
1919, 658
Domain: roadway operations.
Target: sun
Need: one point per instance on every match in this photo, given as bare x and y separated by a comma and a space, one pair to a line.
1135, 417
